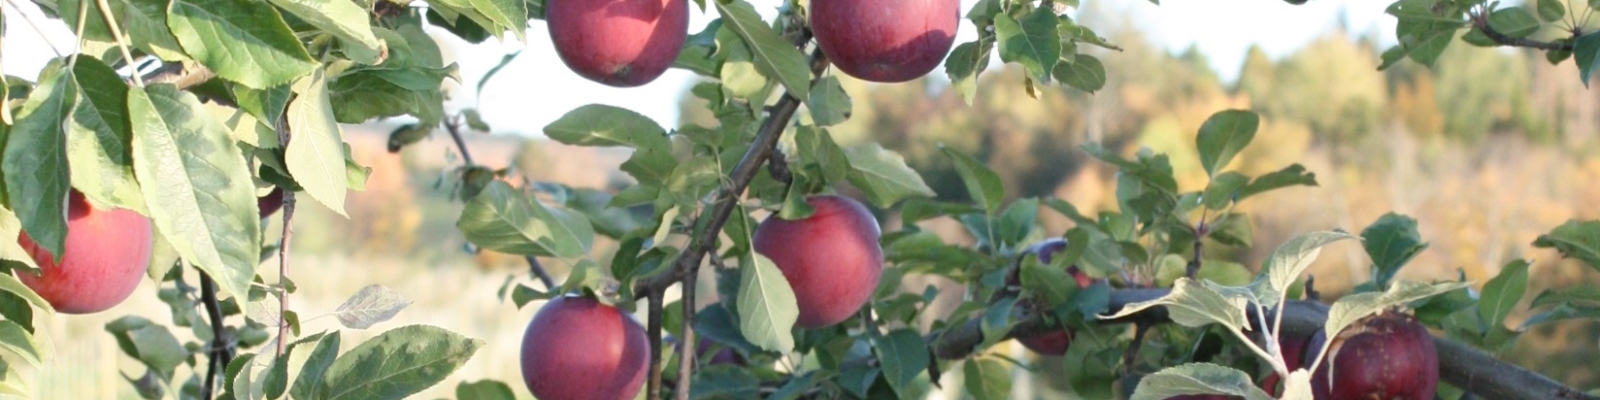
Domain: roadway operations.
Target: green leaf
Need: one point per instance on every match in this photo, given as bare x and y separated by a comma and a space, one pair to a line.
1575, 239
507, 15
1197, 378
504, 219
1288, 176
371, 305
242, 41
1053, 284
1551, 10
1515, 22
1223, 135
725, 382
766, 304
344, 20
829, 104
1290, 260
308, 385
883, 175
1562, 312
1391, 242
1501, 294
982, 183
315, 155
98, 138
146, 23
484, 390
17, 340
1577, 294
1031, 41
997, 321
1223, 188
1232, 229
151, 344
196, 185
1194, 305
774, 57
603, 125
35, 166
964, 64
1084, 73
9, 283
1587, 52
816, 146
397, 363
987, 379
1352, 308
903, 355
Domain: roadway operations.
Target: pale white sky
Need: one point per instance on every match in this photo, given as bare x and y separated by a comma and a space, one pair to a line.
536, 88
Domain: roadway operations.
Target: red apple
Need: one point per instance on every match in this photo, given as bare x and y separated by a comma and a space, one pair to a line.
1203, 397
271, 202
831, 259
1053, 343
885, 40
577, 348
1385, 356
621, 43
106, 253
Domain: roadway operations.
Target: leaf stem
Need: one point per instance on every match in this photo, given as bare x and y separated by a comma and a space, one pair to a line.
283, 246
538, 271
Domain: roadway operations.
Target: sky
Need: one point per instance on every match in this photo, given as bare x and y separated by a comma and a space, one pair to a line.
535, 89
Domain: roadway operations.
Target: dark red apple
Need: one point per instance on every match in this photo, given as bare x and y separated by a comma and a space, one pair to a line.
622, 43
106, 253
579, 349
885, 40
271, 202
1053, 343
1203, 397
1385, 356
831, 259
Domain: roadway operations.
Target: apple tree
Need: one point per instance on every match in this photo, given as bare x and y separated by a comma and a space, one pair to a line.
195, 121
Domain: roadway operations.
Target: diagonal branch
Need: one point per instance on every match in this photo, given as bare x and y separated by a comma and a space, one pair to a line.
1480, 22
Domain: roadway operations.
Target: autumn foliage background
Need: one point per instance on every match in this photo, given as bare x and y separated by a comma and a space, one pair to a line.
1487, 150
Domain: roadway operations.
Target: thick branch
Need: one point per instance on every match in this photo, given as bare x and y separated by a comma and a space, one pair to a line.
1459, 365
653, 329
687, 357
766, 143
179, 75
1481, 22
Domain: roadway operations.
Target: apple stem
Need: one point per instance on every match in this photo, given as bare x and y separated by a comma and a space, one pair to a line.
686, 357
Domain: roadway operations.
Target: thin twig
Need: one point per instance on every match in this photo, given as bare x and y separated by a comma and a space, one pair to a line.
653, 329
1481, 22
538, 272
1132, 354
36, 30
283, 247
1199, 245
687, 354
454, 127
221, 352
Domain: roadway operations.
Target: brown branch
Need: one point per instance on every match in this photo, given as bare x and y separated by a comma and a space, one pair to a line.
653, 329
1480, 22
178, 74
283, 247
538, 271
220, 353
1459, 365
453, 125
687, 356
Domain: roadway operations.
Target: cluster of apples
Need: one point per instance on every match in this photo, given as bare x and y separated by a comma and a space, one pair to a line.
106, 252
579, 348
626, 43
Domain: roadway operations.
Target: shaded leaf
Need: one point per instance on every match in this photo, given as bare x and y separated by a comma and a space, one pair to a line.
903, 356
1575, 239
603, 125
315, 155
1197, 378
883, 175
240, 40
1501, 295
1391, 242
774, 57
397, 363
504, 219
35, 162
1223, 135
766, 304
